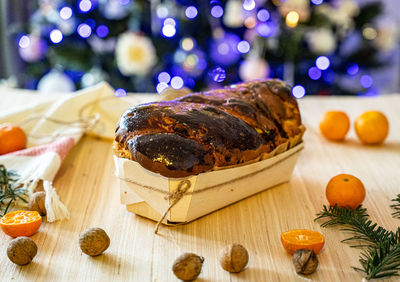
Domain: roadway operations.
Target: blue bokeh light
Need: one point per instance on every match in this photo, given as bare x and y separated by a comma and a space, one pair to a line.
322, 62
191, 12
314, 73
217, 11
66, 13
177, 82
24, 41
353, 69
164, 77
243, 47
56, 36
317, 2
366, 81
120, 92
102, 31
298, 91
84, 30
85, 5
263, 15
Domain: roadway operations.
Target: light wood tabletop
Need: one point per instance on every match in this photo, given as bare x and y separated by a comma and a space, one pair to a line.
87, 185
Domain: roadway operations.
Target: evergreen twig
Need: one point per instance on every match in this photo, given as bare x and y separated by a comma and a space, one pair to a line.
10, 191
382, 255
396, 207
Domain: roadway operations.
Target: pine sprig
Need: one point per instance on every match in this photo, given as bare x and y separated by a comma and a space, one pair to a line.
396, 207
382, 255
10, 191
379, 262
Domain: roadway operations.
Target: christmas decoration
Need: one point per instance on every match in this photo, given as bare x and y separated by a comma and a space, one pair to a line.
130, 43
55, 82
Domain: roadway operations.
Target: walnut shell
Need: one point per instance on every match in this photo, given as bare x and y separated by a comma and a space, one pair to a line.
305, 261
187, 267
94, 241
234, 258
36, 202
21, 250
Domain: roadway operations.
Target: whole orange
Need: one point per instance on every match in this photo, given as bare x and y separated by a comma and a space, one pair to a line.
345, 190
334, 125
372, 127
12, 138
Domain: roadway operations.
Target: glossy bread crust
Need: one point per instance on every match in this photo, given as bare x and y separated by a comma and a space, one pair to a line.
203, 131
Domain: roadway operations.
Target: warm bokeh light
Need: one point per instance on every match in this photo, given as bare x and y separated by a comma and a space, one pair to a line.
292, 19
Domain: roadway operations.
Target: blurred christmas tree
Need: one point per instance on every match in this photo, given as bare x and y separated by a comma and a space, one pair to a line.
321, 47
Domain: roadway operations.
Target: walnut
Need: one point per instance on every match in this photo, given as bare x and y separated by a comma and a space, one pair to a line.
234, 258
305, 261
36, 202
21, 250
94, 241
187, 267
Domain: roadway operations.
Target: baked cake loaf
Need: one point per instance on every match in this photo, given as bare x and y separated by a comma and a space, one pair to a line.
210, 130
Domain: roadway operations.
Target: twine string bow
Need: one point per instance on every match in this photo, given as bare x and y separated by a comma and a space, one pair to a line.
174, 198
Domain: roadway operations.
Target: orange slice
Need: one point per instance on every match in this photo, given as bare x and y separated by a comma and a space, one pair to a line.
21, 223
297, 239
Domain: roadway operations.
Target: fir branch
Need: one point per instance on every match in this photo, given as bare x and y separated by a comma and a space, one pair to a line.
355, 221
396, 207
10, 191
382, 255
379, 262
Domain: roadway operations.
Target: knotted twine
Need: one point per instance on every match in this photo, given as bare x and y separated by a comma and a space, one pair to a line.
183, 187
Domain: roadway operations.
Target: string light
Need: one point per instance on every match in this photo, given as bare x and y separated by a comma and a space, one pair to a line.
250, 22
292, 19
187, 44
162, 12
314, 73
84, 30
56, 36
317, 2
369, 33
249, 5
298, 91
164, 77
366, 81
353, 69
322, 62
120, 92
161, 87
102, 31
66, 13
177, 82
85, 5
243, 47
263, 15
24, 41
217, 11
191, 12
168, 30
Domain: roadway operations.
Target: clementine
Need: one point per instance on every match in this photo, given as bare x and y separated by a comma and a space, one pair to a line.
21, 223
12, 138
372, 127
345, 190
334, 125
297, 239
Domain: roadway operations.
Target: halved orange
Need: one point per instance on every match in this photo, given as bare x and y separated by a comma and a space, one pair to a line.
21, 223
297, 239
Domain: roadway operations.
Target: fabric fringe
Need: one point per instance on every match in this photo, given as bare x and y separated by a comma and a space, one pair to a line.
55, 209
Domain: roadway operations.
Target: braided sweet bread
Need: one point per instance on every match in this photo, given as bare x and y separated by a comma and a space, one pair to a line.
210, 130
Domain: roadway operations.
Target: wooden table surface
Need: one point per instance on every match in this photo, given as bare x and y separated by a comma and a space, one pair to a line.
87, 185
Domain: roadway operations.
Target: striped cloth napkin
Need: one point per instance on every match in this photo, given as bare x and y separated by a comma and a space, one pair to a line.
54, 124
